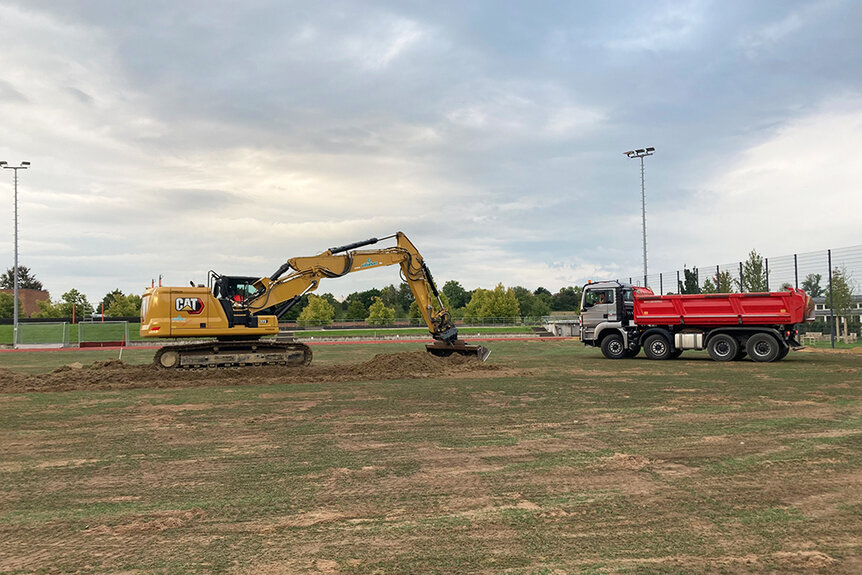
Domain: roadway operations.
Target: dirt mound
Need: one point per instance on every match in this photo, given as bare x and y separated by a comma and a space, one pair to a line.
115, 374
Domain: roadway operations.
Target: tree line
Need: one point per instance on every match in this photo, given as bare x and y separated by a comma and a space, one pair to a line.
376, 306
382, 306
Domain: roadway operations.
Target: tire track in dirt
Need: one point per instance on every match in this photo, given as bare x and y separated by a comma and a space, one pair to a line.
115, 374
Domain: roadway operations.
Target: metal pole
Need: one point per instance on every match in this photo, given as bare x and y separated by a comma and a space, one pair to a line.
660, 285
643, 217
741, 287
831, 301
766, 261
15, 273
23, 166
678, 284
642, 153
795, 271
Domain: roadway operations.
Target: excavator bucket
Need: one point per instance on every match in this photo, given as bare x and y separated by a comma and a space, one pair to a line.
443, 349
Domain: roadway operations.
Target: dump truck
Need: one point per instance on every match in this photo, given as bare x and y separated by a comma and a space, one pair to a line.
622, 319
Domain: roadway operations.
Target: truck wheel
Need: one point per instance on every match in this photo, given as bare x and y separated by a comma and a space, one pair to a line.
612, 346
763, 347
723, 347
740, 354
630, 353
783, 353
657, 347
675, 353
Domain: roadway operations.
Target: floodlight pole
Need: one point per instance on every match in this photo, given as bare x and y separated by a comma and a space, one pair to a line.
642, 153
23, 166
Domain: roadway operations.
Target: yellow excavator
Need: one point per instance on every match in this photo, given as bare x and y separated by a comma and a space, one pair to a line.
240, 310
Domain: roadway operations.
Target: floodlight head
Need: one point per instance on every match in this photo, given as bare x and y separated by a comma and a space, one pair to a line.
641, 151
2, 163
25, 163
650, 149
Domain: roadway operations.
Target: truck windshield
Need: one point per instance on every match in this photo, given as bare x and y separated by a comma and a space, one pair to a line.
598, 296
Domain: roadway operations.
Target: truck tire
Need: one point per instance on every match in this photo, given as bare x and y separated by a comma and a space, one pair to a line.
657, 347
762, 347
612, 346
722, 347
675, 353
783, 353
630, 353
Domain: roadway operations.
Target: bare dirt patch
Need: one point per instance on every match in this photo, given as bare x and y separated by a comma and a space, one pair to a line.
115, 374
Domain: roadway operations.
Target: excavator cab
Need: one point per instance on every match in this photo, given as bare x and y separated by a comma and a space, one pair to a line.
234, 288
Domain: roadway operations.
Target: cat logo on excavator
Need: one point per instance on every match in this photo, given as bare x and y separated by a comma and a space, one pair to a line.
191, 305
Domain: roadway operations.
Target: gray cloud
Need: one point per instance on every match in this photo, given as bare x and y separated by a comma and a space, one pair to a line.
492, 133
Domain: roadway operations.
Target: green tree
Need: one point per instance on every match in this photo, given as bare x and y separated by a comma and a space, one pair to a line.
753, 274
124, 306
405, 296
475, 309
379, 314
108, 300
690, 283
724, 282
525, 298
458, 296
366, 297
317, 312
811, 285
71, 300
567, 299
503, 304
391, 297
25, 279
6, 309
839, 295
336, 305
721, 283
356, 310
499, 304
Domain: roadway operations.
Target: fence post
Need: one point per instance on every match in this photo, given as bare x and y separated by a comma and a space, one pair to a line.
831, 301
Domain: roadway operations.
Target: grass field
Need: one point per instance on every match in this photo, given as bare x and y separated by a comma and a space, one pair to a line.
97, 331
557, 462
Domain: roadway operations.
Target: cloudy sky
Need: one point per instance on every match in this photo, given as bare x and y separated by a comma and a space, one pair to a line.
177, 137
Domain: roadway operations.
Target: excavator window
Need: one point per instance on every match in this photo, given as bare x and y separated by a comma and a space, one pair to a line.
236, 288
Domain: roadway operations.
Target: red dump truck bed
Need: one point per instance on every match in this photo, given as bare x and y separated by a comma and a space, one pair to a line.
775, 308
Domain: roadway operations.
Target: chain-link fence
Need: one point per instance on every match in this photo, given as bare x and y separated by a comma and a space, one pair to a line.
812, 271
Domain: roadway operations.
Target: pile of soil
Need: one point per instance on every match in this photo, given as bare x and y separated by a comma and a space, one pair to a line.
115, 374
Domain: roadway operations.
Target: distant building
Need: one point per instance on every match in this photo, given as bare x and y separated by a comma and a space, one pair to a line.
821, 310
29, 299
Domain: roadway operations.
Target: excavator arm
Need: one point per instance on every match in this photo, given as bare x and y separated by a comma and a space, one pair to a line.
301, 275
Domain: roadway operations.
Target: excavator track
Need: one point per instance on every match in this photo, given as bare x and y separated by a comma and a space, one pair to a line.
233, 354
